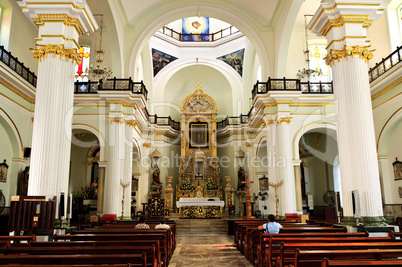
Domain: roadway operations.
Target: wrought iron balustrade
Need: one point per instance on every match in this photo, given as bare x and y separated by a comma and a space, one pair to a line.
17, 66
385, 64
200, 37
92, 87
292, 85
164, 121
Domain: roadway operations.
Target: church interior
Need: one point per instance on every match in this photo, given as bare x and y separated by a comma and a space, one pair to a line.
203, 112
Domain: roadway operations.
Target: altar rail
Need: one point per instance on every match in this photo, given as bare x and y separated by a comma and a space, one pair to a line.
17, 66
292, 85
93, 87
202, 37
385, 64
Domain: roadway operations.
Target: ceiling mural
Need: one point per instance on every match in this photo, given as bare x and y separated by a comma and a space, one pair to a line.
235, 60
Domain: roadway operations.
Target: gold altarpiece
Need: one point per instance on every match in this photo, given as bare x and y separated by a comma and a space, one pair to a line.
199, 173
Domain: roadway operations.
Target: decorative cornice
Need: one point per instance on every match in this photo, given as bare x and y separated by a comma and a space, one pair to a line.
56, 50
357, 50
343, 19
63, 18
119, 120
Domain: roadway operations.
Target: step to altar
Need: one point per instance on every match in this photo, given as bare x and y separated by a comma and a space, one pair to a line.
201, 227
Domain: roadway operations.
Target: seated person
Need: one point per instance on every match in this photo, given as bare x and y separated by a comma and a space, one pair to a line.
162, 224
142, 224
271, 227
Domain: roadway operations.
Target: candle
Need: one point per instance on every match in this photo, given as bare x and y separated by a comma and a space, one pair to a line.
70, 207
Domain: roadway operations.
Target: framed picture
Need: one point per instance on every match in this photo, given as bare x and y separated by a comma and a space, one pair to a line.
134, 184
199, 135
397, 169
264, 183
3, 171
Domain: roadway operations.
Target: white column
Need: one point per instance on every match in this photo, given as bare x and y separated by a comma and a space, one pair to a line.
286, 192
101, 186
113, 189
144, 182
128, 165
56, 52
298, 189
270, 130
386, 180
348, 54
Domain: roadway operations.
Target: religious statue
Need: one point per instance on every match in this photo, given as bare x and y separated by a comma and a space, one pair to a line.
155, 175
241, 173
23, 182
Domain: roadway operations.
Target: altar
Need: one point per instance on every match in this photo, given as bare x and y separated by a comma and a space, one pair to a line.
200, 207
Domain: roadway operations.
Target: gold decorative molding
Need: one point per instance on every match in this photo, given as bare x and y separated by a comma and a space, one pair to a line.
131, 123
268, 122
344, 38
59, 18
57, 36
147, 145
360, 51
56, 50
123, 103
312, 104
343, 19
196, 97
286, 120
119, 120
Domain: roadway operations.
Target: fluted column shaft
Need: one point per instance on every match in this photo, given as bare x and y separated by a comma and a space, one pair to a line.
128, 165
287, 198
270, 130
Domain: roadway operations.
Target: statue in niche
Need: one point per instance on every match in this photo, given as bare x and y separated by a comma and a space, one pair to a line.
23, 182
155, 175
241, 173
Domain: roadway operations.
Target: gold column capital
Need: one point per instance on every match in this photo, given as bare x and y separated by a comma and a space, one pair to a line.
56, 50
361, 51
131, 123
119, 120
281, 120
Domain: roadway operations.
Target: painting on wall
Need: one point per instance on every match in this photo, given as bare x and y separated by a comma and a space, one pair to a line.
195, 29
235, 60
3, 171
397, 169
199, 135
160, 60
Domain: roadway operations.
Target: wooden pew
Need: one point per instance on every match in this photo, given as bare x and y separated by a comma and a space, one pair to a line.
395, 235
18, 238
361, 263
137, 259
313, 258
167, 233
91, 250
288, 250
55, 244
121, 237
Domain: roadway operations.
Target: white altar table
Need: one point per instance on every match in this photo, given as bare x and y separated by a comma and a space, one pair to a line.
200, 207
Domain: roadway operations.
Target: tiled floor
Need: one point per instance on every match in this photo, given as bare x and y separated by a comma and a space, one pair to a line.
206, 251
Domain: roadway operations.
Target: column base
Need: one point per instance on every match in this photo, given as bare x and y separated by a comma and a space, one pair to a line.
364, 221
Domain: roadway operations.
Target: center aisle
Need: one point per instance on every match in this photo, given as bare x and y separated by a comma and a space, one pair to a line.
204, 243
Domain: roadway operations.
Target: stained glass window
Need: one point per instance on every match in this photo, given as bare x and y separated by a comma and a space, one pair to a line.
81, 70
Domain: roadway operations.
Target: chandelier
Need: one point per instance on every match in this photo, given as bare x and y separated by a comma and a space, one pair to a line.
305, 73
99, 72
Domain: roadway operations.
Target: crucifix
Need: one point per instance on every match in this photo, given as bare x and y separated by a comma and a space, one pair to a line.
276, 195
83, 55
124, 185
248, 201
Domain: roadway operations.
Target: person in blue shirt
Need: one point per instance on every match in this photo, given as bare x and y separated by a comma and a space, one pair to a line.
271, 227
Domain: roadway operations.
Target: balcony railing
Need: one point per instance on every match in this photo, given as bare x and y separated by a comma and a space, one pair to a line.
242, 119
91, 87
164, 121
17, 66
385, 64
292, 85
201, 37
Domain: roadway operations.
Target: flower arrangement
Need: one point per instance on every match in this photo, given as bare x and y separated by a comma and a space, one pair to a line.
211, 185
90, 191
186, 185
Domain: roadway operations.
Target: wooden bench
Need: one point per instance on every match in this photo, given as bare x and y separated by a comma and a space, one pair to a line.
91, 250
167, 233
288, 250
313, 258
362, 263
18, 238
121, 237
134, 259
109, 243
395, 235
